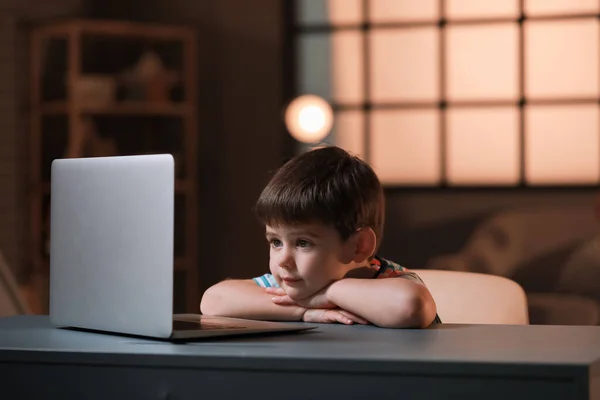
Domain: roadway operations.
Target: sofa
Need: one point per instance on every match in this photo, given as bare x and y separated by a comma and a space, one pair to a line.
552, 252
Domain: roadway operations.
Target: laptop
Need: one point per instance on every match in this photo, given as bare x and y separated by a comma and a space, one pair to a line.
112, 249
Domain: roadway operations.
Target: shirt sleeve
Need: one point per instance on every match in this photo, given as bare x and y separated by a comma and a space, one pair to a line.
412, 276
401, 274
394, 270
266, 281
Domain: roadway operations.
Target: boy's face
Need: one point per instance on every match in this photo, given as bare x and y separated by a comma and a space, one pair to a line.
307, 257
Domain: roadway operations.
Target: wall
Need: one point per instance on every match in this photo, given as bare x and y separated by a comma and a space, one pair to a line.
14, 19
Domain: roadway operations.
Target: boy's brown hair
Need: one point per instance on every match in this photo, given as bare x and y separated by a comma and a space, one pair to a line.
326, 185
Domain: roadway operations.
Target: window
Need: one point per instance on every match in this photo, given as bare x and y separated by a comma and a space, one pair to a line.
458, 92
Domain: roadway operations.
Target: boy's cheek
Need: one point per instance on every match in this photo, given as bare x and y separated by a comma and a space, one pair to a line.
273, 271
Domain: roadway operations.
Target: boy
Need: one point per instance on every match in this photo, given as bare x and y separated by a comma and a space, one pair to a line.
323, 212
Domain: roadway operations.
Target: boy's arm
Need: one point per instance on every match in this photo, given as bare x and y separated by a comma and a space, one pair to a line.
390, 302
245, 299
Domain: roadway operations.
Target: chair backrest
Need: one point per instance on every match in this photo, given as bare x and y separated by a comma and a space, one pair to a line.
475, 298
11, 301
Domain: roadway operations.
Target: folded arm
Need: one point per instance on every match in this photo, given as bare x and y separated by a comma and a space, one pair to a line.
245, 299
390, 302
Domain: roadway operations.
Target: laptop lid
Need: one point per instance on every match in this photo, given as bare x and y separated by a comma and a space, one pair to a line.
111, 244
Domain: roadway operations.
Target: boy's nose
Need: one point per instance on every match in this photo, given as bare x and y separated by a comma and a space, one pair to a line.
286, 260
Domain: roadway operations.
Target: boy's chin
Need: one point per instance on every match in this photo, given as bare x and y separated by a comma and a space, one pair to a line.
300, 293
296, 294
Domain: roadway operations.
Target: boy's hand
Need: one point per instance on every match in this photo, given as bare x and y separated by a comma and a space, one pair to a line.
317, 300
328, 316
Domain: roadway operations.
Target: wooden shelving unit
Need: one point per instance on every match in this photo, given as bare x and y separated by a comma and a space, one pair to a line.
125, 108
64, 53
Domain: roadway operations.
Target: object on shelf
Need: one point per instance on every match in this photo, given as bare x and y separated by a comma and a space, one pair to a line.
148, 80
87, 142
94, 90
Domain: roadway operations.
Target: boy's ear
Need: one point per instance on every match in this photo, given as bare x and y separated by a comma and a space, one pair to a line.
364, 243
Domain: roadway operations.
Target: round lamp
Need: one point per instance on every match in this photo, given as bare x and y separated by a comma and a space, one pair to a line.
309, 118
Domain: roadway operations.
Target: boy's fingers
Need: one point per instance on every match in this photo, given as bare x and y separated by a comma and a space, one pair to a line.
274, 290
328, 317
336, 316
284, 300
354, 317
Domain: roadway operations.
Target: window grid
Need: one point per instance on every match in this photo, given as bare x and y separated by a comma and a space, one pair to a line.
443, 104
522, 101
366, 83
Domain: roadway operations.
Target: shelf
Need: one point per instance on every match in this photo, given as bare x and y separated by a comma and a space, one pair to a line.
59, 119
181, 187
118, 108
117, 28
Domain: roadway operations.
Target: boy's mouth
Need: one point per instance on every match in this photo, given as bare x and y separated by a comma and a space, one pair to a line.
291, 281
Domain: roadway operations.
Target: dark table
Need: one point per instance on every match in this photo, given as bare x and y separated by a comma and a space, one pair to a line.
334, 362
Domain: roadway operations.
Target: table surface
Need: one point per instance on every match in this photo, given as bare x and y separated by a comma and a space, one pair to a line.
490, 349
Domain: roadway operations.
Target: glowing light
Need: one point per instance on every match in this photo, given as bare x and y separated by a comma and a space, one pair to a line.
309, 118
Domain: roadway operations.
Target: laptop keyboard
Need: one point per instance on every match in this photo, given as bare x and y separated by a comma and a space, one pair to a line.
179, 325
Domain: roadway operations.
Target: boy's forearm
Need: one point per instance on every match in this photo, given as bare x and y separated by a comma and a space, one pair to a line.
245, 299
392, 303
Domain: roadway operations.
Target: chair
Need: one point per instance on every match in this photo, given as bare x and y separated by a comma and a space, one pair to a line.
11, 301
476, 298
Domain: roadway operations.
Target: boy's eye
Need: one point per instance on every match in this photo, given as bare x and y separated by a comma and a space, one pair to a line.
303, 243
276, 243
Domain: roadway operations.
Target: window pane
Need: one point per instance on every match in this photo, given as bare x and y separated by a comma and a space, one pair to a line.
348, 131
336, 12
405, 146
482, 62
403, 10
483, 146
313, 65
558, 7
347, 67
556, 153
561, 58
404, 65
461, 9
331, 66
